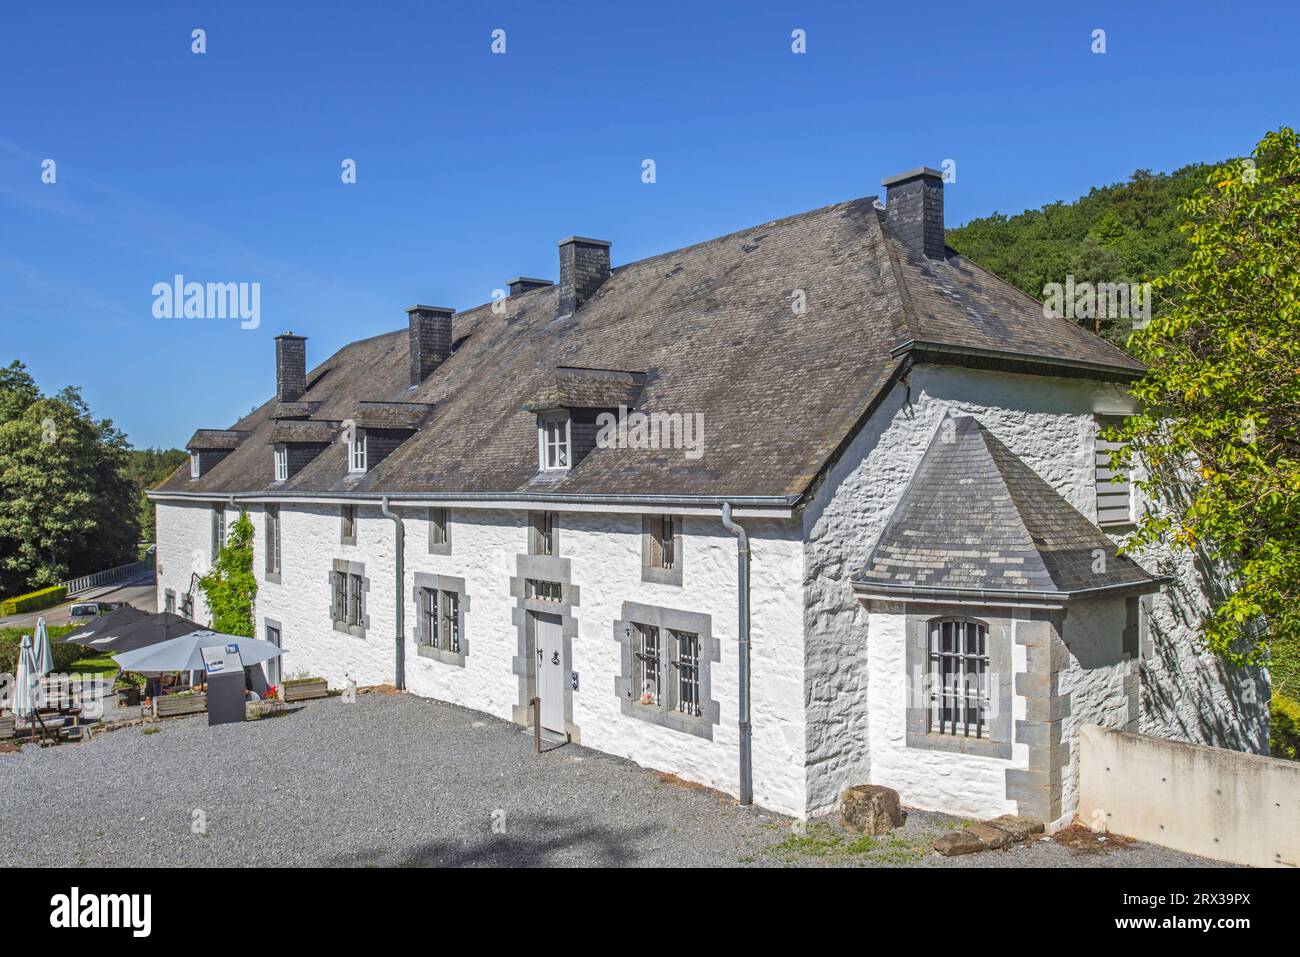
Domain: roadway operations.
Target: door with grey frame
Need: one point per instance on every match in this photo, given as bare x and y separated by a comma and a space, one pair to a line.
548, 632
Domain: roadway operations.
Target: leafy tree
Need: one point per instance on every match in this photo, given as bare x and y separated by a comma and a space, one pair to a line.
1221, 402
230, 589
1127, 232
67, 507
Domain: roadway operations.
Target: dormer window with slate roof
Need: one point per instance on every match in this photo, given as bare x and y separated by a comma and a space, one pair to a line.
568, 404
209, 446
378, 428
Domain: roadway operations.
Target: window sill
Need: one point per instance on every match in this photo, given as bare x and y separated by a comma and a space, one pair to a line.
661, 576
959, 744
347, 539
272, 578
700, 726
456, 658
356, 631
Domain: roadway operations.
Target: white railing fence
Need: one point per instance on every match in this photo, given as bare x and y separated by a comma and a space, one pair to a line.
108, 576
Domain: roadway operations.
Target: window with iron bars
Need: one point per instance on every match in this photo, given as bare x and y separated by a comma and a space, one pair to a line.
542, 541
958, 677
663, 529
348, 604
541, 590
687, 664
440, 619
646, 671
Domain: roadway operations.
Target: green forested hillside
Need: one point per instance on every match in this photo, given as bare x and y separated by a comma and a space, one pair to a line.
1125, 233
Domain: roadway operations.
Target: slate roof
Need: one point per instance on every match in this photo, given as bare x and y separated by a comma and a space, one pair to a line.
975, 518
712, 328
587, 389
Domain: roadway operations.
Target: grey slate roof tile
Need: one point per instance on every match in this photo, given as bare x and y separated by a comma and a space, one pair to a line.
712, 329
1027, 537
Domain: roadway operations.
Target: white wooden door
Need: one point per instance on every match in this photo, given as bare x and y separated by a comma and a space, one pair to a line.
549, 631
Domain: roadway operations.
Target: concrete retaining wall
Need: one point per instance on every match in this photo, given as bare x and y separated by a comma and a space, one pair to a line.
1242, 808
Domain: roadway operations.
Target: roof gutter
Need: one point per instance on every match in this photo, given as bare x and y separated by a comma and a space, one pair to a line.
399, 651
742, 571
922, 350
488, 498
866, 589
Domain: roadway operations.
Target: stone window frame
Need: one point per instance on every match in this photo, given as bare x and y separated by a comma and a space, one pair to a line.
1001, 719
280, 459
348, 528
535, 535
169, 600
437, 584
442, 547
271, 517
665, 714
657, 574
344, 567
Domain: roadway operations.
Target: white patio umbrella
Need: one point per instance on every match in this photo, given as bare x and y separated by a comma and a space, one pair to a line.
41, 655
27, 682
186, 652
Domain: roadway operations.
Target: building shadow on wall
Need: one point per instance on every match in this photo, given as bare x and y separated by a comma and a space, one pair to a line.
547, 841
1165, 687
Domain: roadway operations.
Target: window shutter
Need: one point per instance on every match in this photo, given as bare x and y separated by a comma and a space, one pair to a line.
1114, 494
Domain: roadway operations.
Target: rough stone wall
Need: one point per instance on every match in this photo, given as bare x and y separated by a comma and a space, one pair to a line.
604, 551
184, 536
966, 784
1048, 423
1100, 680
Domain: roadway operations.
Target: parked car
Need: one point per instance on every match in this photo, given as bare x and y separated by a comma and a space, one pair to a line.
83, 611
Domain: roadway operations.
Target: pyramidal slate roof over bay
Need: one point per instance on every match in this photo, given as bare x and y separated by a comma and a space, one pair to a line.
975, 518
708, 330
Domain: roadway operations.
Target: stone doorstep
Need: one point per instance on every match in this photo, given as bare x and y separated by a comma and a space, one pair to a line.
988, 835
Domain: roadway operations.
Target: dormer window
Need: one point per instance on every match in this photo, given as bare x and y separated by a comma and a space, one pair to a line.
357, 453
281, 463
553, 443
194, 465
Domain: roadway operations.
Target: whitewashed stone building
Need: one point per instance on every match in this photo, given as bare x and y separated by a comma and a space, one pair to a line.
933, 598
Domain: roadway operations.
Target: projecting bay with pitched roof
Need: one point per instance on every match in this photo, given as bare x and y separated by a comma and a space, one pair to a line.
712, 330
976, 519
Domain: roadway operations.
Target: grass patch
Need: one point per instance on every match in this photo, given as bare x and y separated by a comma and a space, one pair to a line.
94, 665
151, 730
820, 842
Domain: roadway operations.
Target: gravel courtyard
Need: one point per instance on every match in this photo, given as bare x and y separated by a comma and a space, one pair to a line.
396, 780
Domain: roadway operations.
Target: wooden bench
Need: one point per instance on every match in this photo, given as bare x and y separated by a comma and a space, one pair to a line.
173, 706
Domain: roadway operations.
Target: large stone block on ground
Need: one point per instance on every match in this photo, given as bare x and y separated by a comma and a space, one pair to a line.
990, 836
1016, 827
870, 809
959, 842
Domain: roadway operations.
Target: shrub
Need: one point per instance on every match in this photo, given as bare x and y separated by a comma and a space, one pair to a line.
11, 640
1284, 733
33, 601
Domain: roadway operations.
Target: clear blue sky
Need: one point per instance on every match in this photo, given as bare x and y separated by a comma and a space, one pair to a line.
225, 166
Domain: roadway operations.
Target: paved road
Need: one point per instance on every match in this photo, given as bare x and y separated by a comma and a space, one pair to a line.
401, 780
141, 591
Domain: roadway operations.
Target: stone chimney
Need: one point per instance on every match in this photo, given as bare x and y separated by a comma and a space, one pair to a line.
523, 284
914, 209
290, 367
584, 265
430, 338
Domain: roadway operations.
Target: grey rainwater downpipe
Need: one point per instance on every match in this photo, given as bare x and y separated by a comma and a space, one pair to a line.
742, 569
399, 656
